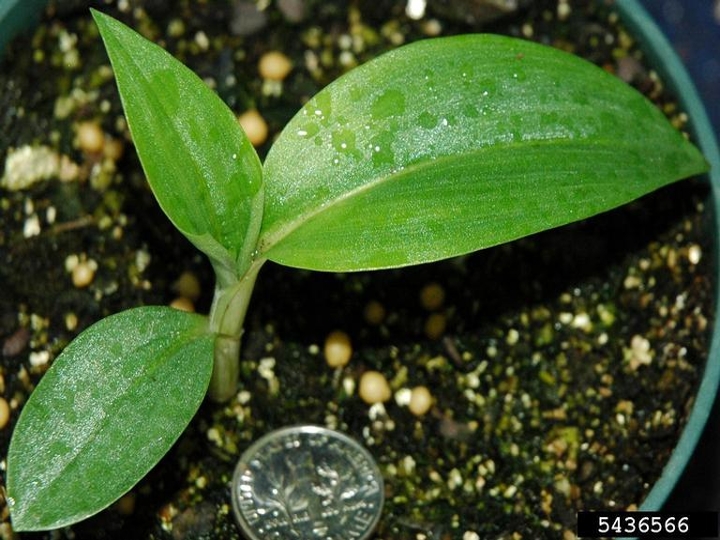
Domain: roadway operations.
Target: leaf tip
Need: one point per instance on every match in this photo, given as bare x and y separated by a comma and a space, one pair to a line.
98, 16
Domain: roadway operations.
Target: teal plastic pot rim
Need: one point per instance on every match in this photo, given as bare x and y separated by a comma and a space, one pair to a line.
17, 15
672, 71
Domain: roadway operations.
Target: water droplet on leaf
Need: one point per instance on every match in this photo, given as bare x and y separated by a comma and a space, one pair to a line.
320, 107
308, 130
344, 141
382, 149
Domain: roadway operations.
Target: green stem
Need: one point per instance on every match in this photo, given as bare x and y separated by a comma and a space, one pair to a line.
227, 317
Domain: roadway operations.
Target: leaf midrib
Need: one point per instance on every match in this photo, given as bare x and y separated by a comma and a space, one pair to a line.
272, 237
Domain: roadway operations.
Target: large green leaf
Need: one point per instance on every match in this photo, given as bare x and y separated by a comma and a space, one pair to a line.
109, 408
198, 161
454, 144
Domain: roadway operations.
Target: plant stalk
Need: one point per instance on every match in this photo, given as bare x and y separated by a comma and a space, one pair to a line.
227, 317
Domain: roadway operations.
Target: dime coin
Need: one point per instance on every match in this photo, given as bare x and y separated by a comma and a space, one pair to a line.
306, 483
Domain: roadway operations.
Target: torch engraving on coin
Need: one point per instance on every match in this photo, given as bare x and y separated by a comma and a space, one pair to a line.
304, 483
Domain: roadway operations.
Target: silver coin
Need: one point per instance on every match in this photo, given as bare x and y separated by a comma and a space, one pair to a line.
305, 483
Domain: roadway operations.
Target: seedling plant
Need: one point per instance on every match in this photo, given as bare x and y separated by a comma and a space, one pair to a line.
433, 150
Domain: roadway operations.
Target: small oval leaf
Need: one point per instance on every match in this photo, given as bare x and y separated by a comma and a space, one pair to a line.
200, 165
111, 405
450, 145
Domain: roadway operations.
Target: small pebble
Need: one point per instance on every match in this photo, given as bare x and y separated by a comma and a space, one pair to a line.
15, 343
188, 286
374, 388
183, 304
39, 358
113, 149
415, 9
374, 313
402, 397
176, 28
71, 321
435, 325
420, 400
32, 226
202, 41
628, 69
4, 413
125, 505
90, 137
563, 10
432, 28
27, 165
338, 349
292, 10
432, 296
247, 19
694, 254
255, 126
274, 66
83, 273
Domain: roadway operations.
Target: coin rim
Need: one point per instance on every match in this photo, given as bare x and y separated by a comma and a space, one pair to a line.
302, 429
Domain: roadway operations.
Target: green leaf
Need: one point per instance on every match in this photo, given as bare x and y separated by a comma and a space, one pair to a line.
111, 405
200, 165
450, 145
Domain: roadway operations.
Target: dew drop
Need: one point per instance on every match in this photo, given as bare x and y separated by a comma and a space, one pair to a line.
323, 104
320, 107
308, 130
343, 141
519, 75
